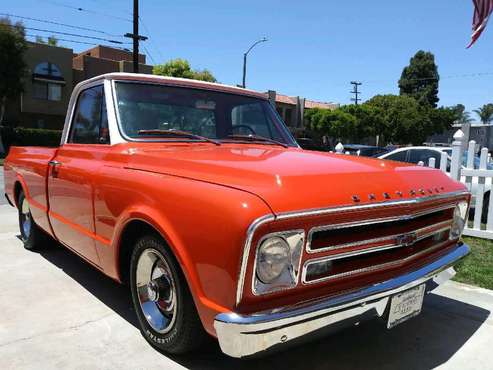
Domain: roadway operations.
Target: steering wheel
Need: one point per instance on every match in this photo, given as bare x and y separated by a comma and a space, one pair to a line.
235, 127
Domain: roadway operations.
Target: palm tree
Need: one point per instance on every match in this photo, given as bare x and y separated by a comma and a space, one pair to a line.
485, 113
462, 116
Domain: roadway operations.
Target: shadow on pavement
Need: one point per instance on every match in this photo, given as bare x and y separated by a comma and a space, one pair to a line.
112, 294
424, 342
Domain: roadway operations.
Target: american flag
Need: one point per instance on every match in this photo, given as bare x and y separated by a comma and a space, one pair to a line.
482, 11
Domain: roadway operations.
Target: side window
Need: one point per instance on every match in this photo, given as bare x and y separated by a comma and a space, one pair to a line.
424, 156
90, 122
399, 156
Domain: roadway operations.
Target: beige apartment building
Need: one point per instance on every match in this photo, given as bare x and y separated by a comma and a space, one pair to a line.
53, 71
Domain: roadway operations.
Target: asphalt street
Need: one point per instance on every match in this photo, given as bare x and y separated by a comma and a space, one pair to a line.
57, 312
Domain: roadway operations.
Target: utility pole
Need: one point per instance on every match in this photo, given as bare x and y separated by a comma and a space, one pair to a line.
355, 91
136, 37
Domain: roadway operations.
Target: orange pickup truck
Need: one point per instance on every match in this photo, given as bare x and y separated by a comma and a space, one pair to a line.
197, 196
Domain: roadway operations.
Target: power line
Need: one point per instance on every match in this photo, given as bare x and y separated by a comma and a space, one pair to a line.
78, 42
465, 75
59, 24
151, 39
72, 34
88, 11
149, 53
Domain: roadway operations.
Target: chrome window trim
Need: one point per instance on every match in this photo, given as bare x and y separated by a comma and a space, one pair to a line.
322, 211
297, 275
366, 269
72, 105
409, 216
127, 138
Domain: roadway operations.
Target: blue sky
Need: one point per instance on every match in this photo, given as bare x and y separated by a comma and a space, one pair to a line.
315, 47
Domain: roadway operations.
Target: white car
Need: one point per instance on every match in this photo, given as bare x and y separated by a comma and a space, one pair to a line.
416, 154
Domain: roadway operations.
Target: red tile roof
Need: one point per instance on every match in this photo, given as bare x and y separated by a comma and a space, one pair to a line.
291, 100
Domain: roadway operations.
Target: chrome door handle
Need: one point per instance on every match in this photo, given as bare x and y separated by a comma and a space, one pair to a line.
54, 163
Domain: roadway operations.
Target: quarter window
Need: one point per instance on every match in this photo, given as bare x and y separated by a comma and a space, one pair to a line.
90, 123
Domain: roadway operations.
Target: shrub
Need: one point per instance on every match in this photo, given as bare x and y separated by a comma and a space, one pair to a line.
20, 136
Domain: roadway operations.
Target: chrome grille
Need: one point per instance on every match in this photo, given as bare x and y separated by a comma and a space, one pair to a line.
344, 250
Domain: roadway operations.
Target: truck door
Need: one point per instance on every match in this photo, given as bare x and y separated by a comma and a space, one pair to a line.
70, 179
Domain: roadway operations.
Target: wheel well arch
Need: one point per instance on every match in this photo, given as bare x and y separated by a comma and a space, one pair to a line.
132, 231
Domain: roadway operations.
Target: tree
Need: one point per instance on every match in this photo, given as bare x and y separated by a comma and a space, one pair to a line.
181, 68
440, 120
336, 124
368, 120
51, 41
12, 66
402, 118
485, 113
420, 79
461, 115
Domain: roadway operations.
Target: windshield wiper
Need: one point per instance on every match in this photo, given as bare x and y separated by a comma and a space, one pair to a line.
257, 138
177, 133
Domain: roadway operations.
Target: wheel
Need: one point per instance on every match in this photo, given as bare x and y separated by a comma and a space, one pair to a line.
165, 309
32, 236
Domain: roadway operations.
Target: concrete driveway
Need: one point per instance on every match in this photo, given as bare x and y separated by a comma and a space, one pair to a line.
57, 312
2, 197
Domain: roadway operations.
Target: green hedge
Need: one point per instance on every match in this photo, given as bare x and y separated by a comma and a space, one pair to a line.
20, 136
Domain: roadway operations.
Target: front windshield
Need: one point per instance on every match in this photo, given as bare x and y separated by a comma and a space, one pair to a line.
144, 108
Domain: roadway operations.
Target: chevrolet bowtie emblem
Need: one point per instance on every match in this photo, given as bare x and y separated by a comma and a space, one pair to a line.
406, 239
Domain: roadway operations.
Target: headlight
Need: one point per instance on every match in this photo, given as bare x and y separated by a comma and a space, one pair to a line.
459, 221
277, 261
272, 259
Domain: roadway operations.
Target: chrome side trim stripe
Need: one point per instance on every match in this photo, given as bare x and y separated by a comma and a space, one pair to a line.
322, 211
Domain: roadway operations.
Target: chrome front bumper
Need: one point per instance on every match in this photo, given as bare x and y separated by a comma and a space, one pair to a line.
245, 335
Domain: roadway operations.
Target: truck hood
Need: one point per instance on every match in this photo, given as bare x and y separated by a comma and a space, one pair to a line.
291, 179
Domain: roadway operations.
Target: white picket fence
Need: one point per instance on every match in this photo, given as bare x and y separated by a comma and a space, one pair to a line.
478, 180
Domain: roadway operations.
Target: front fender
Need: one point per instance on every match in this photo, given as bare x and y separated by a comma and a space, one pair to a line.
204, 225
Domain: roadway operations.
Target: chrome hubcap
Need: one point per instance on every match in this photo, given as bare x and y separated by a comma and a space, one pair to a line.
156, 290
25, 219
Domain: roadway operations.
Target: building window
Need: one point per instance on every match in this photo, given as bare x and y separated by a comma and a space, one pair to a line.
47, 69
47, 82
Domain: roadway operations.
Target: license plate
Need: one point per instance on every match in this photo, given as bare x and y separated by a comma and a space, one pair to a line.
405, 305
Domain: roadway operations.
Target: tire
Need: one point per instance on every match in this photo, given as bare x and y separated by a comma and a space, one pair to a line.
173, 325
32, 236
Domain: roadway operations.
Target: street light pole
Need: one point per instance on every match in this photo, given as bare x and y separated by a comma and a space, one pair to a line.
263, 39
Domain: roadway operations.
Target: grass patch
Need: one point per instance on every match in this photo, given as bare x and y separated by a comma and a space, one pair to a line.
1, 161
477, 267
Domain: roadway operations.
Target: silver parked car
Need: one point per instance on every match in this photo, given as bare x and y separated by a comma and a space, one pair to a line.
416, 154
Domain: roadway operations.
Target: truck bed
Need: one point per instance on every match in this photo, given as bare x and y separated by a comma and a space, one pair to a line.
29, 166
